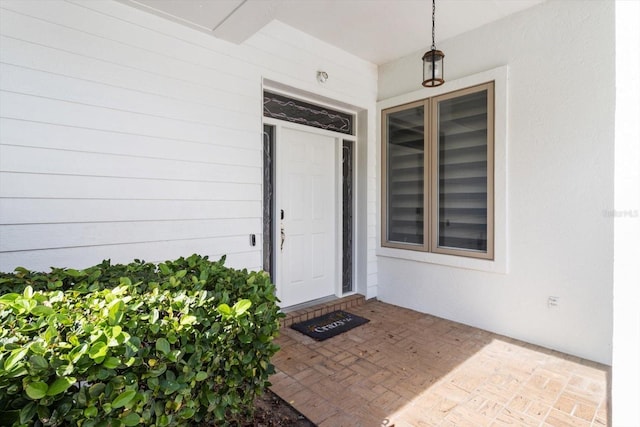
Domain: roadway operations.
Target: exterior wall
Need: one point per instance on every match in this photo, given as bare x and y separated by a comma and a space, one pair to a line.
124, 135
560, 145
625, 381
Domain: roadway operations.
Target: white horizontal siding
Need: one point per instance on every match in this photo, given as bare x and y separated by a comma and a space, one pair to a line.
82, 17
54, 161
54, 211
27, 132
17, 79
31, 55
42, 185
70, 113
37, 26
125, 253
57, 236
125, 136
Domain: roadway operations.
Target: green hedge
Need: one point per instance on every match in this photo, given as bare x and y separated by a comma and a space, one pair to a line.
186, 342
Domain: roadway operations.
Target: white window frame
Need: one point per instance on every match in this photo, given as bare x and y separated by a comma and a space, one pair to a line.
499, 263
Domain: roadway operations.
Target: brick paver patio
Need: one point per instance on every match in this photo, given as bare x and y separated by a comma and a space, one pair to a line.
405, 368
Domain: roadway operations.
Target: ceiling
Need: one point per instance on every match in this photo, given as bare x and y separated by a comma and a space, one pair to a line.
378, 31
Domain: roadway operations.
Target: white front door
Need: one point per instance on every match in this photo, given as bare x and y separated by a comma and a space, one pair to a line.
306, 214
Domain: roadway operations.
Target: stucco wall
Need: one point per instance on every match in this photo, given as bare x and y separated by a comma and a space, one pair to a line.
625, 390
560, 144
125, 135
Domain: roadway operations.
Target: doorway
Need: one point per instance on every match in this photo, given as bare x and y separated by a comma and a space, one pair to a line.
308, 199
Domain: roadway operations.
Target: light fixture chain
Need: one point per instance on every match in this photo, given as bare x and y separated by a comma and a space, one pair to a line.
432, 61
433, 25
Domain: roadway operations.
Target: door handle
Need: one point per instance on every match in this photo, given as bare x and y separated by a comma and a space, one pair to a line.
282, 237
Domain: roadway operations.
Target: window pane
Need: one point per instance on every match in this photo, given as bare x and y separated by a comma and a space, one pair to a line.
405, 176
293, 110
347, 215
267, 199
462, 172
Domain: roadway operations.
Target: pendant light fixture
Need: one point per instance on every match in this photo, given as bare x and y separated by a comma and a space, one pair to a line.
433, 61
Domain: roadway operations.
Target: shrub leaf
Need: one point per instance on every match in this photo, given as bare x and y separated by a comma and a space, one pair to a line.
123, 398
241, 306
131, 419
60, 385
98, 350
42, 310
111, 362
162, 345
27, 413
16, 356
38, 362
36, 390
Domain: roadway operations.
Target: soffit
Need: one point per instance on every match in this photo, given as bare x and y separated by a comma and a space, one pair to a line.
377, 31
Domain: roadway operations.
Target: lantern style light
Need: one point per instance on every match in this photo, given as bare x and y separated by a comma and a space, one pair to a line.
433, 60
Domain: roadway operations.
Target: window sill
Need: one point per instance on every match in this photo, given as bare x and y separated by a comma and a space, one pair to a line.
490, 266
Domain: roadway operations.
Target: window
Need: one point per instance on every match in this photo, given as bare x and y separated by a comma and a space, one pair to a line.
293, 110
437, 160
348, 183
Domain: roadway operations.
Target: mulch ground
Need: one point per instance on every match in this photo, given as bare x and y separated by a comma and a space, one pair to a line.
273, 411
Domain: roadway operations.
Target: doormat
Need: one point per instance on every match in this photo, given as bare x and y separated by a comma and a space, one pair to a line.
329, 325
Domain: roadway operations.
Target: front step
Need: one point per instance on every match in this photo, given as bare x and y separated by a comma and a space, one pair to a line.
303, 314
